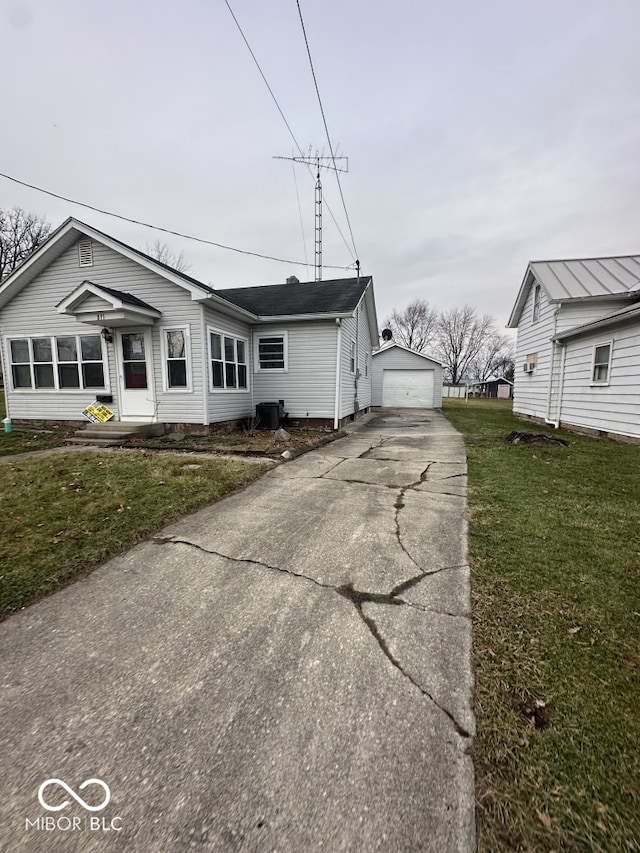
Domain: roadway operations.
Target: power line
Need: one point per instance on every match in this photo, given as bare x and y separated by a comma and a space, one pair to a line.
326, 128
164, 230
291, 133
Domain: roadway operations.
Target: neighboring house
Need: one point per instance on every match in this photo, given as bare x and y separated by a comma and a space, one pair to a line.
500, 389
578, 349
87, 317
406, 378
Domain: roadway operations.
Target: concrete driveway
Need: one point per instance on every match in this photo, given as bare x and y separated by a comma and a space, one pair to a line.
287, 670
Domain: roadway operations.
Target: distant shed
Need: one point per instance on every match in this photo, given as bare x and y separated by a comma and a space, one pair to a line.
405, 378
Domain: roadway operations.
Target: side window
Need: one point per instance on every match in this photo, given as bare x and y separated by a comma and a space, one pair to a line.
271, 352
601, 364
536, 303
352, 358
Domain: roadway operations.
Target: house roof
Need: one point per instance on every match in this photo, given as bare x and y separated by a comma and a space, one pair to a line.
629, 313
391, 344
589, 278
127, 298
334, 297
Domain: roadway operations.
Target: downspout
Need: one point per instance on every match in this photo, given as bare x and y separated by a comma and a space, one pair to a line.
552, 365
336, 415
204, 373
4, 362
561, 385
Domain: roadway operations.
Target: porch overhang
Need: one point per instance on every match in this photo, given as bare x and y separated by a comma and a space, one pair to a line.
98, 305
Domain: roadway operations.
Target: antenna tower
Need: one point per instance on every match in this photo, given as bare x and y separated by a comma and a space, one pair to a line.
319, 161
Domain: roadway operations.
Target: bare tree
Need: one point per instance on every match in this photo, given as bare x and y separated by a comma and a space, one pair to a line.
414, 327
461, 336
494, 357
20, 234
161, 252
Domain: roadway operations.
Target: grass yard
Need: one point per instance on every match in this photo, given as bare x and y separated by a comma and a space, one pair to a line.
23, 441
555, 552
62, 515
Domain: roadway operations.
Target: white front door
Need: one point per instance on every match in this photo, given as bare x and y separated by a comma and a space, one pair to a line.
135, 375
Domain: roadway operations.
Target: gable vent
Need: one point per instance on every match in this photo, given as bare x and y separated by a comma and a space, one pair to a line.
85, 253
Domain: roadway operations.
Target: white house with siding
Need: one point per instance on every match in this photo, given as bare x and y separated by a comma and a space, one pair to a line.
406, 378
578, 347
89, 318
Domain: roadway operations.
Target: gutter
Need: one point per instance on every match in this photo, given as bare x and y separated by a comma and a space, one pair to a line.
336, 408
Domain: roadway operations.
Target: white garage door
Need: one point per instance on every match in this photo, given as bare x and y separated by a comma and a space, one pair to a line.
408, 388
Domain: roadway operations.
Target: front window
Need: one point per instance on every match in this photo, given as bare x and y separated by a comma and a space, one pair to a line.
175, 352
271, 352
601, 364
69, 361
228, 358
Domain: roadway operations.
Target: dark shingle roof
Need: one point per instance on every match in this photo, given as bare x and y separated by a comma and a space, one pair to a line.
127, 298
337, 296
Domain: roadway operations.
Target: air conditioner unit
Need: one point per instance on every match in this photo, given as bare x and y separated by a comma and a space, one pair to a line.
529, 366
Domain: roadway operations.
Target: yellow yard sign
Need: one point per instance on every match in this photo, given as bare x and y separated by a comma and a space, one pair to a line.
97, 413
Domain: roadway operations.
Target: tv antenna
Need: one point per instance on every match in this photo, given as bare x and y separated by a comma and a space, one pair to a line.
319, 161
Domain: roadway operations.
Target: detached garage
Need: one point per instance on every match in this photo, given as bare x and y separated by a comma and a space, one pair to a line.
404, 378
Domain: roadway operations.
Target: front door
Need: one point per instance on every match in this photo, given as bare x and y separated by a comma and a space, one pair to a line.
135, 375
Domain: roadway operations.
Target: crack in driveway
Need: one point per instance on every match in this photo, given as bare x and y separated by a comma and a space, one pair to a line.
357, 598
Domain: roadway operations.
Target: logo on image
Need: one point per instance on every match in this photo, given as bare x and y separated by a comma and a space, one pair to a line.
73, 822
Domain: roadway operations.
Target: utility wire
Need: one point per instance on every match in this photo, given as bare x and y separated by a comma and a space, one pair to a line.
306, 41
165, 230
275, 101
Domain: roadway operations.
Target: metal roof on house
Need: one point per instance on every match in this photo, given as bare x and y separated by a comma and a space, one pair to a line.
334, 297
578, 279
589, 278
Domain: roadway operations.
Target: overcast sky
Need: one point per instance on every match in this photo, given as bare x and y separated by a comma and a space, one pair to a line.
480, 135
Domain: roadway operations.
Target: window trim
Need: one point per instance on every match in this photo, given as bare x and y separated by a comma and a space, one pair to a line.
537, 293
353, 357
212, 330
188, 388
601, 383
56, 362
276, 333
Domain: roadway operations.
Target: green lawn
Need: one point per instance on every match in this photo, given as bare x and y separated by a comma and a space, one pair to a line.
62, 515
555, 552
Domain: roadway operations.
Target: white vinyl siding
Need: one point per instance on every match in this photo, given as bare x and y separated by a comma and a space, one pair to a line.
355, 331
308, 386
32, 313
531, 390
614, 407
396, 358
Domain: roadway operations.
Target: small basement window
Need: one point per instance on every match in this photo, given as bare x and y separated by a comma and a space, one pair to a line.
601, 364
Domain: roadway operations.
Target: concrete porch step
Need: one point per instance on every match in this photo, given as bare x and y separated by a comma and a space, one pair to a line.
113, 433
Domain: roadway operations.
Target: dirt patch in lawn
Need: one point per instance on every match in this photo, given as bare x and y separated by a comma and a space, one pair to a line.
239, 443
519, 437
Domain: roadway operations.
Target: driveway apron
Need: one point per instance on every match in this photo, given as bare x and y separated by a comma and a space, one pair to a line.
286, 670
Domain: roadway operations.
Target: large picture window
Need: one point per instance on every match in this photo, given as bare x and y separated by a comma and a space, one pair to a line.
57, 363
228, 359
271, 351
